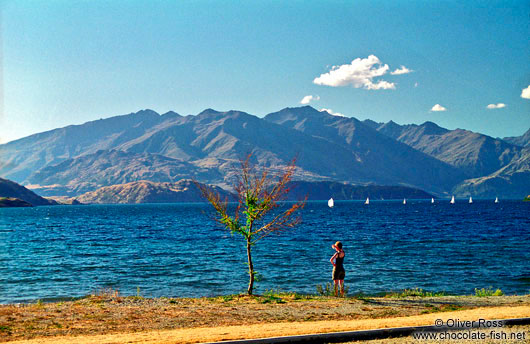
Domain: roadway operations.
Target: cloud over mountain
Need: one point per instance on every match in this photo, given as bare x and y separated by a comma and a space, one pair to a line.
360, 73
331, 112
308, 99
438, 107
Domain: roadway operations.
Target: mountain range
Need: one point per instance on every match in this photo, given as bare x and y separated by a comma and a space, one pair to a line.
474, 153
165, 148
494, 167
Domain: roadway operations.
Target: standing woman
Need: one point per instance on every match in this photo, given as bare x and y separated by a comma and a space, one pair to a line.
338, 267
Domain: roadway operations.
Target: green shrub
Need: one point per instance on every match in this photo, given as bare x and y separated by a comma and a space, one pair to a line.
328, 289
488, 292
418, 292
270, 296
227, 298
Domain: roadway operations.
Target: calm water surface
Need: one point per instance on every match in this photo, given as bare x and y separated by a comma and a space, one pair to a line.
176, 249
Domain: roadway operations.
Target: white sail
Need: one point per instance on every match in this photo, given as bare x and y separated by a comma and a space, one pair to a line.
404, 201
470, 200
367, 200
453, 200
432, 200
496, 199
330, 203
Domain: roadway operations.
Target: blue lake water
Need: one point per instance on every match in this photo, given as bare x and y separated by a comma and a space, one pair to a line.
177, 250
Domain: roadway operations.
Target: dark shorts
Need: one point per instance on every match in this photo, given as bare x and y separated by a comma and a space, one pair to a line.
338, 274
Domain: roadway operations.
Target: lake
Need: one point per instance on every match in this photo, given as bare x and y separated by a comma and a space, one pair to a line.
175, 250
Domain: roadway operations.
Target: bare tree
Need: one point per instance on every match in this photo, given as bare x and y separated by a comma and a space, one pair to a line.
258, 213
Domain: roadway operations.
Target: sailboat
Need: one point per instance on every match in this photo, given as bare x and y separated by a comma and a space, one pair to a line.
367, 200
404, 201
453, 200
470, 200
330, 203
432, 200
496, 199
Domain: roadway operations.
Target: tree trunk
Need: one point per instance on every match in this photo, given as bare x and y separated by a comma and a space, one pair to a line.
250, 270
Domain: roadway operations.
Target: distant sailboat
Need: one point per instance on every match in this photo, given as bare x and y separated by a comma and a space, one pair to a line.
367, 200
470, 200
496, 199
404, 201
453, 200
330, 203
432, 200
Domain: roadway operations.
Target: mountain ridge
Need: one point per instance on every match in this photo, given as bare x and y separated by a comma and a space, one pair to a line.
476, 154
208, 146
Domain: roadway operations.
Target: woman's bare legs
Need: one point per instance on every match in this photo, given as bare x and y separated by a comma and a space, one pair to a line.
335, 282
341, 283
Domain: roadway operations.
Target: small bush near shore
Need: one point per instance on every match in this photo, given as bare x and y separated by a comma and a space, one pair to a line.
106, 292
270, 296
418, 292
488, 292
328, 289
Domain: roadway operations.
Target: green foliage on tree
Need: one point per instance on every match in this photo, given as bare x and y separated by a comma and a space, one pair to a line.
259, 211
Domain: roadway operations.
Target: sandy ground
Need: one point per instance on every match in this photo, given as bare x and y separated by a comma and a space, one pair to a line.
211, 334
216, 319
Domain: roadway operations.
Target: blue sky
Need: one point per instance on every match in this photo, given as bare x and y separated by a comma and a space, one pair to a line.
67, 62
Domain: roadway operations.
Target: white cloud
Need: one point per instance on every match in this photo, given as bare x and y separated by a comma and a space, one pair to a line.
360, 74
438, 107
332, 113
496, 106
526, 93
308, 99
401, 70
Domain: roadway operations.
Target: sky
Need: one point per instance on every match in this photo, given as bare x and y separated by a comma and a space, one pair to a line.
460, 64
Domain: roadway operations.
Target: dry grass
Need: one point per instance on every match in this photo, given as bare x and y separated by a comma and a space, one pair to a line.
108, 313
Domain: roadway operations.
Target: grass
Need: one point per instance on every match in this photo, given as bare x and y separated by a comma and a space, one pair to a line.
416, 292
441, 308
488, 292
329, 289
106, 292
227, 298
106, 311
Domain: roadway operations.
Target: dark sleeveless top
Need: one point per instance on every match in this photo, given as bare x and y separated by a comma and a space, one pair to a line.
339, 262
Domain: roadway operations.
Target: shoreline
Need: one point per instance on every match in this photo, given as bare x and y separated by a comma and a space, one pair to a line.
326, 291
114, 315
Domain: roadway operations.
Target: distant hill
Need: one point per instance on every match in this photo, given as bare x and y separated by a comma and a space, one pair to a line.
511, 181
103, 168
473, 153
186, 191
522, 141
148, 192
10, 189
341, 191
9, 202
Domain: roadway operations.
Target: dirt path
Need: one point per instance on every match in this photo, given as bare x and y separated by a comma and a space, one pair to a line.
210, 334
